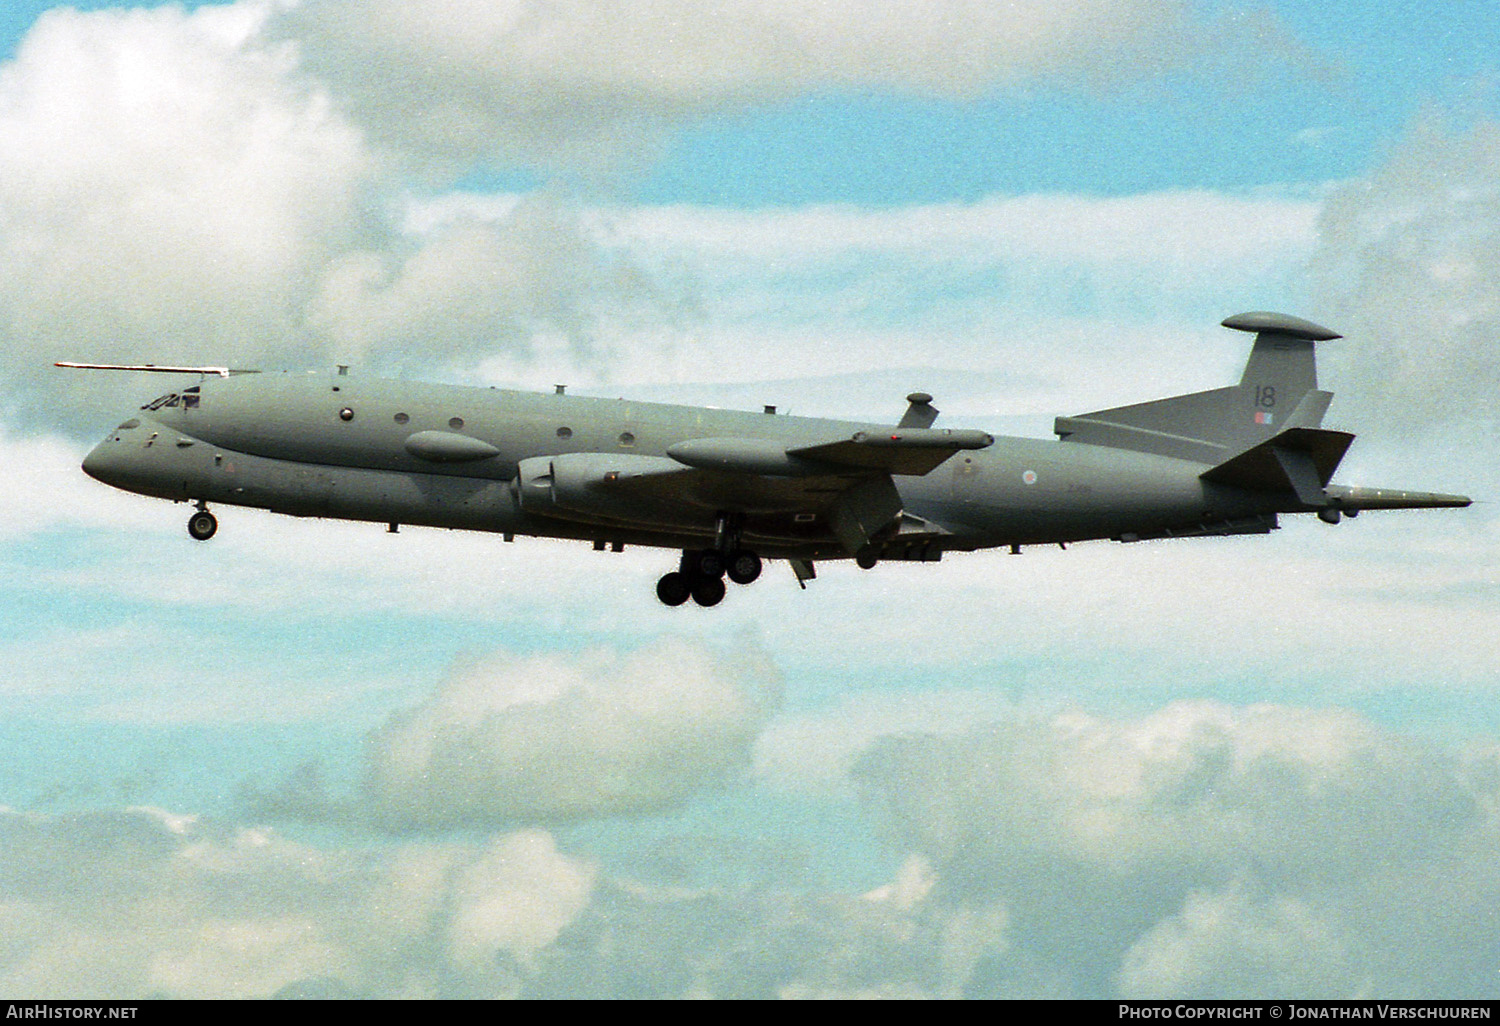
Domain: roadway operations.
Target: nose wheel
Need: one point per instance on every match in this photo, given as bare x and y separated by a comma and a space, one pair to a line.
202, 525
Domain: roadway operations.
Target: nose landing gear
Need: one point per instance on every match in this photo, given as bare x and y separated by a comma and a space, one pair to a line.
202, 524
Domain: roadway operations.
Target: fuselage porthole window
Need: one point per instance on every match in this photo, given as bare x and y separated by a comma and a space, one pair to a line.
626, 438
401, 418
456, 423
565, 432
346, 414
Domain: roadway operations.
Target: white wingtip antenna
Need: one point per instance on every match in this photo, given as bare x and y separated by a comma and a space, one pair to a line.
222, 372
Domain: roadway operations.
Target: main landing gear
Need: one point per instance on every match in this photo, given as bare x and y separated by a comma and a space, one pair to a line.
202, 524
700, 575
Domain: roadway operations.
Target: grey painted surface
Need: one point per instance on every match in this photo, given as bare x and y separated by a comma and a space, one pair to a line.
339, 445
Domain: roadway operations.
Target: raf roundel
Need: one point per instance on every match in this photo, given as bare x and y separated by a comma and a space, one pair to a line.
1028, 477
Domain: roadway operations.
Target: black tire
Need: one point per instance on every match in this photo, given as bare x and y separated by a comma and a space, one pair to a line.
744, 566
710, 564
708, 591
673, 589
202, 525
867, 557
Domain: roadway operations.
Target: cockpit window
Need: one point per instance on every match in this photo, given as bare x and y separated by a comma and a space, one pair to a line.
170, 399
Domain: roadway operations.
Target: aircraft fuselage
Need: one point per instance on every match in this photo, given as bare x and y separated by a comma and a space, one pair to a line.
286, 443
729, 487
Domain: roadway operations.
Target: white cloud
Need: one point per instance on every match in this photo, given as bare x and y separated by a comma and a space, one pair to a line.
45, 489
165, 185
814, 750
1187, 231
140, 903
516, 897
1193, 785
174, 190
577, 86
508, 286
195, 197
216, 959
1207, 850
1057, 302
1201, 849
546, 738
1230, 945
1409, 258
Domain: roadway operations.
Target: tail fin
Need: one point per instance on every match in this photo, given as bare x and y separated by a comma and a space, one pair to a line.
1278, 391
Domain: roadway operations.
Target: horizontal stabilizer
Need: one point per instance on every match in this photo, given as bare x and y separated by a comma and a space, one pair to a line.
1298, 460
1185, 427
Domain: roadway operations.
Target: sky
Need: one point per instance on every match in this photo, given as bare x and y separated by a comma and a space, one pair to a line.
315, 759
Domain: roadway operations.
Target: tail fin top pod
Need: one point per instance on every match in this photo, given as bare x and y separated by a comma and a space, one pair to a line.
1278, 391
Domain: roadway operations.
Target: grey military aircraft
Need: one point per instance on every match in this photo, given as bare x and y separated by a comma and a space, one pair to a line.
730, 488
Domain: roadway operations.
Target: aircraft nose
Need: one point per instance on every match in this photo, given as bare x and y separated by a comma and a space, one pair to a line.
112, 460
98, 463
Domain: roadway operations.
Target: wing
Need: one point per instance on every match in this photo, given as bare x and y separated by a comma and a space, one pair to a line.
842, 487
